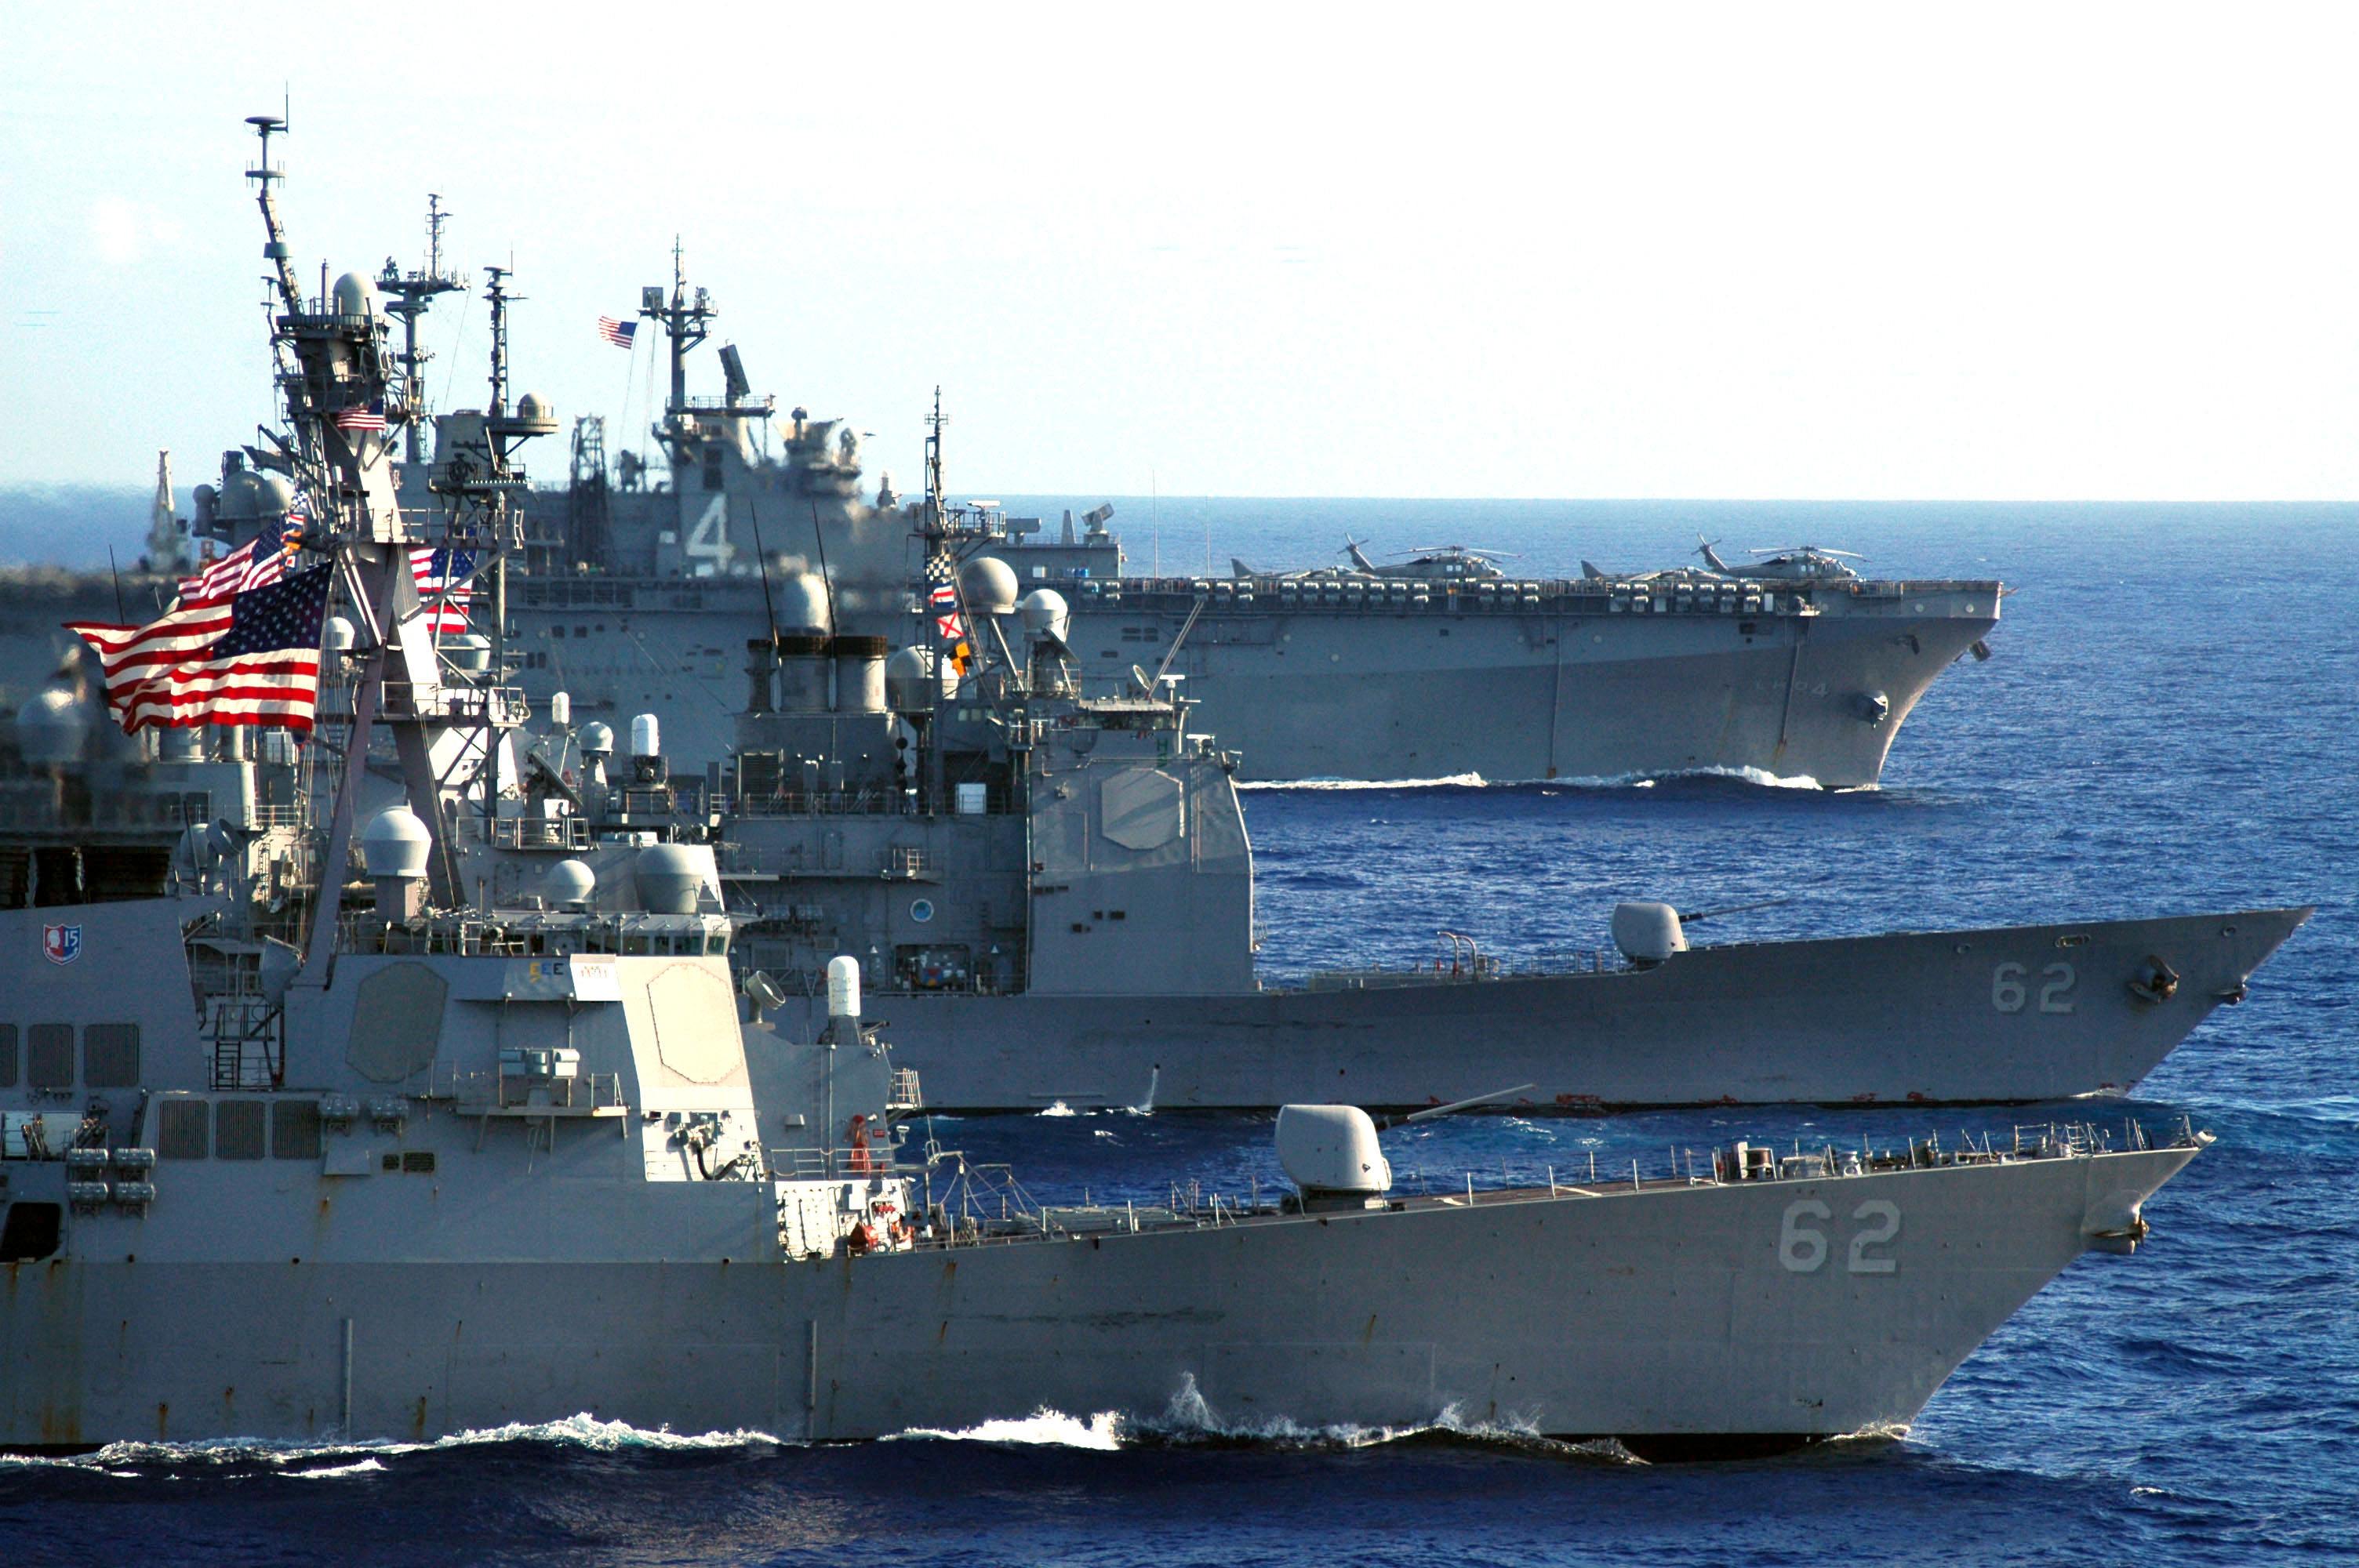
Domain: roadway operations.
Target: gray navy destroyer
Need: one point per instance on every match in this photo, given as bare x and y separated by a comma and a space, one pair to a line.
494, 1131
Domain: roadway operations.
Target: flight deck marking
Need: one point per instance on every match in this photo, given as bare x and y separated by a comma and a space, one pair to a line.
711, 539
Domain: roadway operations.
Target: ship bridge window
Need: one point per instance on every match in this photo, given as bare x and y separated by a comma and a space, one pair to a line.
716, 943
634, 944
712, 468
7, 1055
557, 632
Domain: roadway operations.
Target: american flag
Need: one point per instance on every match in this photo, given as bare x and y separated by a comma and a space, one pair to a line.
446, 580
618, 333
234, 574
366, 416
252, 657
942, 597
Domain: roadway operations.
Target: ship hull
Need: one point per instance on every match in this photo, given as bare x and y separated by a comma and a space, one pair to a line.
1511, 696
1687, 1320
2007, 1014
1367, 694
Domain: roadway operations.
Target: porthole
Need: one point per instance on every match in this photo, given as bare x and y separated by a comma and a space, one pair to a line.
921, 910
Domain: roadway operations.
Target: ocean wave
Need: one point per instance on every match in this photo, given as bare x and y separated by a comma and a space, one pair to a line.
1188, 1421
134, 1459
1043, 1428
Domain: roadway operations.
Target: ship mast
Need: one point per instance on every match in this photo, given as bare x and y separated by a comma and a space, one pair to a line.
408, 296
496, 293
932, 515
685, 325
335, 368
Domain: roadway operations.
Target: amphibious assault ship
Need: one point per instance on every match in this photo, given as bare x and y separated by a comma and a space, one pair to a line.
646, 580
503, 1144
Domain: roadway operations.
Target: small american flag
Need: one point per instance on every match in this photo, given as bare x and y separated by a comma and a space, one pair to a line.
250, 658
236, 573
364, 416
618, 333
446, 580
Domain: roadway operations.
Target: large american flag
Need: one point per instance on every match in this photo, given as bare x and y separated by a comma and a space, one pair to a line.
446, 580
618, 333
245, 655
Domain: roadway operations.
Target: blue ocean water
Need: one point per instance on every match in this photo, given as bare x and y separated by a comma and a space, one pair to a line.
2169, 725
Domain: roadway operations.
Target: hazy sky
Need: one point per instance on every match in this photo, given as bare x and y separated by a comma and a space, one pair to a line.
1686, 251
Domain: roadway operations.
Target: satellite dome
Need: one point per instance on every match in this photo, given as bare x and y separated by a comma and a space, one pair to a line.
989, 584
844, 986
532, 406
910, 684
336, 635
470, 651
570, 881
802, 604
272, 496
354, 295
52, 728
236, 501
1045, 613
667, 876
597, 739
396, 844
